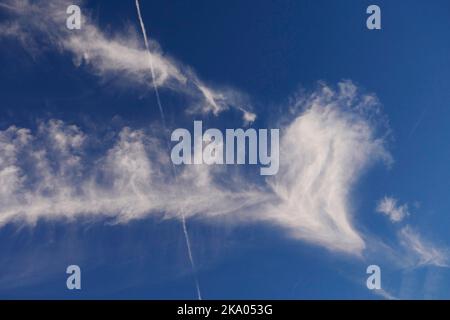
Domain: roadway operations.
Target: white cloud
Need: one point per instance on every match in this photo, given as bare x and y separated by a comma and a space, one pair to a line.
422, 252
41, 25
389, 207
323, 152
325, 148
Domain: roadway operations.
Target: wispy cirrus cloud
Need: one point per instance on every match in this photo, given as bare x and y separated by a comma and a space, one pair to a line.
389, 207
330, 142
41, 25
421, 251
414, 250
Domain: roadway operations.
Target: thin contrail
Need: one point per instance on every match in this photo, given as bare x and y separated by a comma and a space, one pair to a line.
416, 125
144, 33
158, 100
7, 6
191, 258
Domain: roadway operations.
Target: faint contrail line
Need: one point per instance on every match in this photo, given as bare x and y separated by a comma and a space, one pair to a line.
191, 258
7, 6
158, 100
144, 33
416, 125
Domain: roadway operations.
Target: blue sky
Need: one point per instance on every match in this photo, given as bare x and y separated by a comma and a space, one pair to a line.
84, 171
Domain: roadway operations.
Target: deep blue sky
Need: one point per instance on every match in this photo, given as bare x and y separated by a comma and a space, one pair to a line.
268, 50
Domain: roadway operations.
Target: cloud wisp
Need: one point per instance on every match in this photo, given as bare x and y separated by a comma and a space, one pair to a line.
41, 25
389, 207
414, 250
422, 252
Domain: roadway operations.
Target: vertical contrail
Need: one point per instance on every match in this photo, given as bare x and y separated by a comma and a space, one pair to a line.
158, 100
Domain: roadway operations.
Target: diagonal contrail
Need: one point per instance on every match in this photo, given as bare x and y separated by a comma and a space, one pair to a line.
158, 100
7, 6
150, 60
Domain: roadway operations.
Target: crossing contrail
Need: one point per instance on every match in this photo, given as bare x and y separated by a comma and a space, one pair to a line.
161, 111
